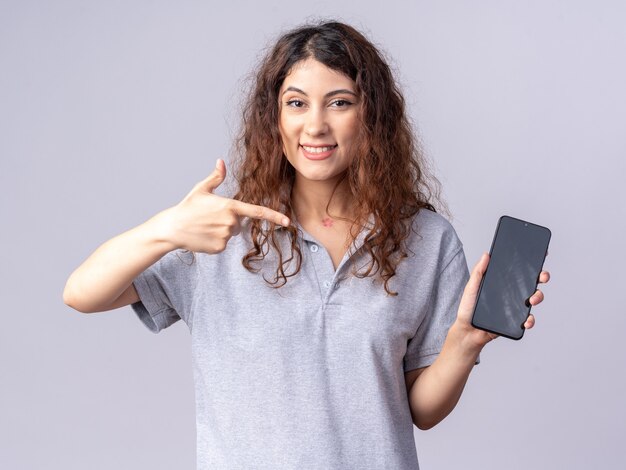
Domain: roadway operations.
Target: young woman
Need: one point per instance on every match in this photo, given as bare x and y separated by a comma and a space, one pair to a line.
329, 304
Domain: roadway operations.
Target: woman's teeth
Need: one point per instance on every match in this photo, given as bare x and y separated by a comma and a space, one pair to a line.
318, 149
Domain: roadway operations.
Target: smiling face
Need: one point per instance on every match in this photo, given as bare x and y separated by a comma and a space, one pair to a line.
318, 120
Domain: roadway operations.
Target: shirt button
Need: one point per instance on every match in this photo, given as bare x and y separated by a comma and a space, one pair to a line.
327, 284
314, 248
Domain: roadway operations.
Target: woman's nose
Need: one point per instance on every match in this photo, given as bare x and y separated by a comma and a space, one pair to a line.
316, 122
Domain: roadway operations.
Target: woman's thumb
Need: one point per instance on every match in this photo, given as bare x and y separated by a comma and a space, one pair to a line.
216, 178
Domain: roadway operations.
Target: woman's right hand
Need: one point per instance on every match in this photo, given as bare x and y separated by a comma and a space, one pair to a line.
201, 222
204, 222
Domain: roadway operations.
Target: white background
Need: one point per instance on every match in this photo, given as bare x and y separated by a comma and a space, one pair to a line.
112, 111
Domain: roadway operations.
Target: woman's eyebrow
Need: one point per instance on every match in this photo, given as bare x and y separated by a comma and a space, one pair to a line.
327, 95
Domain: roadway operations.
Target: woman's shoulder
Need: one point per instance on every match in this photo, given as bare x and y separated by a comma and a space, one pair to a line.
430, 221
431, 228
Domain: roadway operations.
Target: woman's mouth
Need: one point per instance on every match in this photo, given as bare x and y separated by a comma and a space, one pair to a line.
318, 153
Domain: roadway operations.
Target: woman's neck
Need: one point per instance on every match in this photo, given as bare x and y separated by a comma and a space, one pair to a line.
310, 199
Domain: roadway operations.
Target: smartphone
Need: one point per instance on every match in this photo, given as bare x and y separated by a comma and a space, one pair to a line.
517, 254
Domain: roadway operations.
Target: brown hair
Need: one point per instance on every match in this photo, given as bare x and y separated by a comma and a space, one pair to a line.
386, 154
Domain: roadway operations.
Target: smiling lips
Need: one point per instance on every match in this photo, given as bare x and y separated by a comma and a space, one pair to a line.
317, 152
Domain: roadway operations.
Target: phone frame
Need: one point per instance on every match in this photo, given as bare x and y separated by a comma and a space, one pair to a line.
493, 242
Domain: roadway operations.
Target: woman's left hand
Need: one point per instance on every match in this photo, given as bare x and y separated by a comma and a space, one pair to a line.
466, 308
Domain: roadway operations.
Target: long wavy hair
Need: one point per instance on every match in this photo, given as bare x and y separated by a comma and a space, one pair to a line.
388, 177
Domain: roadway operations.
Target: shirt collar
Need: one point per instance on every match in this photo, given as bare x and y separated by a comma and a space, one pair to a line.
358, 242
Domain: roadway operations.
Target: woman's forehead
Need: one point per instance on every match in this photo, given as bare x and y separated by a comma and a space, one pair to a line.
311, 73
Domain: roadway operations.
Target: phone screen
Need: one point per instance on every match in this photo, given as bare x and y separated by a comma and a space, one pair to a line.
517, 254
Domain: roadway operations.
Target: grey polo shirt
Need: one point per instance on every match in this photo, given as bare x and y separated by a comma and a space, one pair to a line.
310, 375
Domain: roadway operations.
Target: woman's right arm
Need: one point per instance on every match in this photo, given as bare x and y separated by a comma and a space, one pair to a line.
202, 222
105, 280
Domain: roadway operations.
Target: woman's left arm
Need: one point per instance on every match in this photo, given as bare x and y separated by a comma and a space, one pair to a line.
436, 389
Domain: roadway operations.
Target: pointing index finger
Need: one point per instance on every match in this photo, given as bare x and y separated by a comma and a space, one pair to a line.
259, 212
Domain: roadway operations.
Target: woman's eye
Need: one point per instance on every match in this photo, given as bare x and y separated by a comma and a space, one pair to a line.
295, 103
341, 103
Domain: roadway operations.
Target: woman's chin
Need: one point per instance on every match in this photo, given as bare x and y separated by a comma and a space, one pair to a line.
318, 176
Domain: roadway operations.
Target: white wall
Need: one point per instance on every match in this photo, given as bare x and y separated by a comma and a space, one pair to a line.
111, 111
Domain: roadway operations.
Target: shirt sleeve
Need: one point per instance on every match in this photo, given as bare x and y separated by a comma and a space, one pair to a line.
423, 348
166, 291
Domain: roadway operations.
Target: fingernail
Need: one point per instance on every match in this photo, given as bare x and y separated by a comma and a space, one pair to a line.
285, 221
